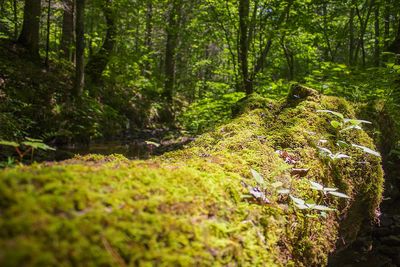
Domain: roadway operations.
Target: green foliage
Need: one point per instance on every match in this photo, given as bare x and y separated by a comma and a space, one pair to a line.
23, 148
206, 113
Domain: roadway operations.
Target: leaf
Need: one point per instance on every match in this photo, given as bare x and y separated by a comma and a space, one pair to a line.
330, 189
33, 139
336, 124
301, 206
283, 191
342, 143
367, 150
37, 145
256, 192
316, 186
323, 214
297, 200
259, 179
286, 156
152, 143
325, 150
340, 156
356, 122
277, 184
356, 127
259, 195
340, 115
8, 143
338, 194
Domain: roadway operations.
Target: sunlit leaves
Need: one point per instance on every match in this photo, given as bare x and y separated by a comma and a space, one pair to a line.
336, 156
340, 115
367, 150
8, 143
257, 176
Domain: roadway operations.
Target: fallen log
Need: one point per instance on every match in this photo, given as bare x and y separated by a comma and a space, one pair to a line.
253, 192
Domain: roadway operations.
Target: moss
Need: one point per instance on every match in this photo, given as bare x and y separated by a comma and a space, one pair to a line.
185, 208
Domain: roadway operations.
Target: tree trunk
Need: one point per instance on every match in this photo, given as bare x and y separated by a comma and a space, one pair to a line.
244, 9
98, 62
395, 45
68, 35
171, 43
15, 13
363, 28
148, 37
377, 52
80, 49
351, 37
29, 36
46, 63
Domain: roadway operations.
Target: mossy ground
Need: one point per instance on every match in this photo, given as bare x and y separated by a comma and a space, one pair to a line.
185, 208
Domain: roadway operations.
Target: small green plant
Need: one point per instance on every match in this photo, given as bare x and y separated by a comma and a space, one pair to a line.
344, 124
303, 205
327, 153
26, 147
327, 190
367, 150
259, 192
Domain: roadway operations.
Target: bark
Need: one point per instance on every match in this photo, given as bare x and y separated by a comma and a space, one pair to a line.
15, 13
148, 36
29, 37
377, 36
244, 9
395, 45
289, 59
68, 34
363, 28
48, 34
80, 49
171, 43
98, 62
328, 52
351, 37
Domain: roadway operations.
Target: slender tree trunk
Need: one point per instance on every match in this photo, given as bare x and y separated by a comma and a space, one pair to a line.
29, 36
80, 49
351, 37
68, 34
377, 52
244, 9
15, 12
289, 59
363, 28
328, 52
98, 62
170, 49
148, 36
395, 45
46, 63
387, 26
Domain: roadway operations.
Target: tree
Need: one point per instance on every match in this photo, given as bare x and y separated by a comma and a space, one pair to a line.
172, 29
98, 62
29, 36
68, 34
80, 49
244, 8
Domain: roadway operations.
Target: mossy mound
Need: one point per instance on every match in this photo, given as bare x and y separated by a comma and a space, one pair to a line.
186, 208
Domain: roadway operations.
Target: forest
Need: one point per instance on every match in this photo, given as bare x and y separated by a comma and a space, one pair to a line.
199, 133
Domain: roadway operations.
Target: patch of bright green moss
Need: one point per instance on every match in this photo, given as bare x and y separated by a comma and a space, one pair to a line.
186, 208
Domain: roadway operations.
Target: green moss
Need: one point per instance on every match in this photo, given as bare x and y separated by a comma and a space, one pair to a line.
185, 208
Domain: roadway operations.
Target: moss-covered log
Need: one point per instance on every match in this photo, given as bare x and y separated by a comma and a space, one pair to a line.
187, 208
